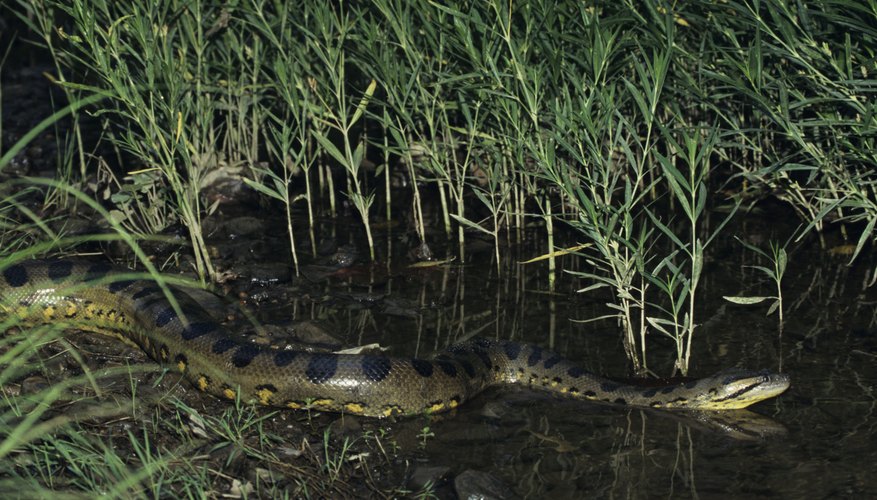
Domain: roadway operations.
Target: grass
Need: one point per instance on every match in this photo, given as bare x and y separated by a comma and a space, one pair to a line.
778, 258
627, 122
169, 450
119, 432
614, 120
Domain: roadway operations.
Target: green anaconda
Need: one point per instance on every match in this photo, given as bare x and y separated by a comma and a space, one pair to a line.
97, 298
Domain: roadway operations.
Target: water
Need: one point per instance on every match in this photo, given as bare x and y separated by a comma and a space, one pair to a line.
823, 442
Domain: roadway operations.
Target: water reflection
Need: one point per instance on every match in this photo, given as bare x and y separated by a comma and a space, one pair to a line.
816, 440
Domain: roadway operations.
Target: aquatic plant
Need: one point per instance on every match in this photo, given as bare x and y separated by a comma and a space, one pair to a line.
622, 122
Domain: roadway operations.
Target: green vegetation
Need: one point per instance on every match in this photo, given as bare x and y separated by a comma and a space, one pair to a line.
778, 258
625, 122
628, 122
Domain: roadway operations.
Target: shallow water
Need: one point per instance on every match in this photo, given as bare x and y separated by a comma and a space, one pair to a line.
538, 445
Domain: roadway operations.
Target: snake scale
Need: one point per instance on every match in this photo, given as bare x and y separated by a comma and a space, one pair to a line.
96, 297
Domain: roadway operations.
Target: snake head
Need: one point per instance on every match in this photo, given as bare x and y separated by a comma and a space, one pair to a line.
736, 389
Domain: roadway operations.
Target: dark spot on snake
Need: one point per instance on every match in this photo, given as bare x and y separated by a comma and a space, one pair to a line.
557, 380
118, 286
620, 401
650, 392
482, 343
376, 368
553, 360
60, 269
196, 330
222, 345
244, 355
668, 390
164, 317
422, 367
15, 275
153, 301
535, 356
321, 367
691, 385
145, 292
609, 386
470, 370
181, 358
589, 394
512, 350
164, 352
575, 371
458, 354
97, 271
447, 367
484, 357
284, 358
266, 387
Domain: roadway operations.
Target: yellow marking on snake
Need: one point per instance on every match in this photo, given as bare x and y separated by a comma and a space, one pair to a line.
264, 396
215, 361
354, 408
391, 410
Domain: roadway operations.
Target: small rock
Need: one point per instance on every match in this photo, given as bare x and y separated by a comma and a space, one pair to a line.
423, 476
266, 273
34, 384
243, 226
475, 485
312, 332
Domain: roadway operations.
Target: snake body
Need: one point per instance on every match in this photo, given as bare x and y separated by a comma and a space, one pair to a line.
180, 333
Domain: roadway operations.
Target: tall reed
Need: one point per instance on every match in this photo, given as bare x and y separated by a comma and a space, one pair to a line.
622, 121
